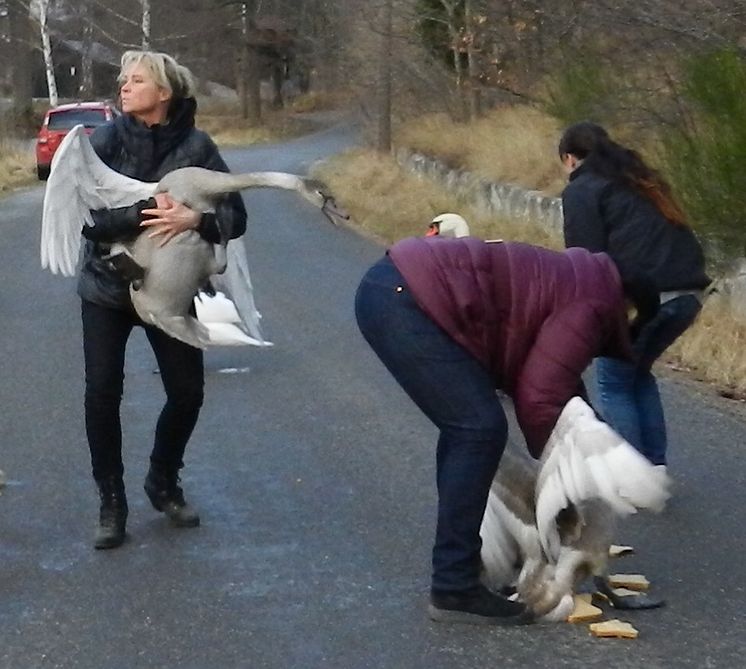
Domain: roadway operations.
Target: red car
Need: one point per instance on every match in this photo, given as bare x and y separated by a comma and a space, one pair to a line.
60, 120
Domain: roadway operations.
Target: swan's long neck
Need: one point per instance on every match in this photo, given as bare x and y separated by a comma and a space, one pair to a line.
197, 187
263, 180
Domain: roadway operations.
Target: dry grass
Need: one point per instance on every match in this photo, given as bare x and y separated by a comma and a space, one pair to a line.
515, 145
17, 167
714, 350
232, 130
389, 203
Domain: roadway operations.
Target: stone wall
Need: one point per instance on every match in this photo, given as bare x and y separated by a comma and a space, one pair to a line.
493, 199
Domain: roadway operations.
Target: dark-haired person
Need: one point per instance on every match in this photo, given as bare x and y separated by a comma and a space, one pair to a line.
455, 319
154, 135
615, 203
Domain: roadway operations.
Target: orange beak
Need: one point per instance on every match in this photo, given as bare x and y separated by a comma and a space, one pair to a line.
432, 231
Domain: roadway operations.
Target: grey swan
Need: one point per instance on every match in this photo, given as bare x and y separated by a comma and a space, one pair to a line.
165, 280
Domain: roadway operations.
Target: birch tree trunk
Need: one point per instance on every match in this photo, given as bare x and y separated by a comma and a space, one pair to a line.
145, 25
41, 7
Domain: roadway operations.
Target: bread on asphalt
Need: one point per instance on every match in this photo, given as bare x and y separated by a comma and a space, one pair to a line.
584, 611
613, 629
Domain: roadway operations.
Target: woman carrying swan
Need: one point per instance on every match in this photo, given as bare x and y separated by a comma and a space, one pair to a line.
154, 135
161, 220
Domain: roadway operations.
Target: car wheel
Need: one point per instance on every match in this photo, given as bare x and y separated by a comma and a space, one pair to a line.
42, 171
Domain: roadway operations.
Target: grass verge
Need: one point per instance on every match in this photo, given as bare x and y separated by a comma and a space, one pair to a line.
17, 166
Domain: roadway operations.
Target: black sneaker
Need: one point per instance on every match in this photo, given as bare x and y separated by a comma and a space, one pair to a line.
476, 606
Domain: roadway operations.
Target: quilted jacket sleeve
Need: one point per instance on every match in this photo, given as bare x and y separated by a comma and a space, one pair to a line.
552, 371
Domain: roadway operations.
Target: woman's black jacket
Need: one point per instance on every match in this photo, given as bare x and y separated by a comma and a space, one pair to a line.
148, 154
601, 215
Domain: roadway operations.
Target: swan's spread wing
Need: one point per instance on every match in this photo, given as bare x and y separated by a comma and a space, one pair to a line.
235, 283
78, 182
585, 459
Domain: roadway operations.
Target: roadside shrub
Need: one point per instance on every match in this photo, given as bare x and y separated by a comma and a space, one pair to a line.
705, 156
581, 90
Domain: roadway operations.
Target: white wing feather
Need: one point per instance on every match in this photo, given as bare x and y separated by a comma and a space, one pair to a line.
585, 459
235, 282
499, 546
78, 182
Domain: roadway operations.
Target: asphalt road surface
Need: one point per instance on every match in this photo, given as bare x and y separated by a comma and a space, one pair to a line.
314, 476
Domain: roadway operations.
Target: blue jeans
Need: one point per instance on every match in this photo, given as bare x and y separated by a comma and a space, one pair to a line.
458, 395
628, 392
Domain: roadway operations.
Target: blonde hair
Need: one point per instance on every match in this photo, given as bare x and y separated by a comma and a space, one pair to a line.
166, 72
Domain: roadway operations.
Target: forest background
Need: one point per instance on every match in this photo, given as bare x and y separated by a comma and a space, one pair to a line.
483, 85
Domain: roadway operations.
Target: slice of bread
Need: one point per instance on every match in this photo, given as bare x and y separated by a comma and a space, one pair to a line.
626, 592
614, 629
584, 611
630, 581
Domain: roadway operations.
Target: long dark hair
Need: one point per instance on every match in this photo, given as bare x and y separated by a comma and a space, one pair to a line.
590, 143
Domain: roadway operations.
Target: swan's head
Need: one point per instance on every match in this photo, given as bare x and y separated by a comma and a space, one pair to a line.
448, 225
318, 194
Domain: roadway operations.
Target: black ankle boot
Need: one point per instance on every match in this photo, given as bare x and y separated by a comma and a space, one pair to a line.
165, 494
112, 519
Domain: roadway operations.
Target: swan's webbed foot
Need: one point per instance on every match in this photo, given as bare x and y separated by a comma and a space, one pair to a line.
629, 602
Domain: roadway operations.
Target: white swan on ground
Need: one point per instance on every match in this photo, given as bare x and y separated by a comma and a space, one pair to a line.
165, 279
448, 225
549, 524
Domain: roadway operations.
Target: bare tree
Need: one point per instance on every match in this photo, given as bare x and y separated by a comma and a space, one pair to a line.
145, 24
40, 10
470, 43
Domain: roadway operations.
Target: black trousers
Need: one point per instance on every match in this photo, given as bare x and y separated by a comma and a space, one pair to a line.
105, 335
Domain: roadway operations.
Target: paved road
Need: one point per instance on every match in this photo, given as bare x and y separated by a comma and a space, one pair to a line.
314, 477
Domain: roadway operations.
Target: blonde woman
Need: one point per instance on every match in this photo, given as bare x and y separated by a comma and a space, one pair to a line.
154, 135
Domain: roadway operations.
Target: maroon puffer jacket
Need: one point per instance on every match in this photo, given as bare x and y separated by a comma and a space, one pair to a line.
534, 317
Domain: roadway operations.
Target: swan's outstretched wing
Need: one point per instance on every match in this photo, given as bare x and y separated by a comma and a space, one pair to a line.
235, 282
585, 459
78, 182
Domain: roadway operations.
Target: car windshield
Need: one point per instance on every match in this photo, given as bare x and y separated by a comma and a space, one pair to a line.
65, 120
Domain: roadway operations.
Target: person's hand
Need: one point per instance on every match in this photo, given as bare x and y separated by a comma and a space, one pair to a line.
169, 218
